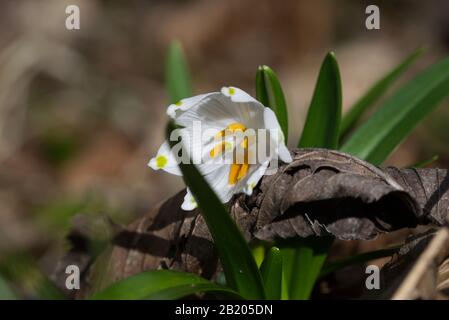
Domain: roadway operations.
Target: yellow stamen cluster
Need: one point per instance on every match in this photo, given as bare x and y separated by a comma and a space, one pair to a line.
238, 171
220, 148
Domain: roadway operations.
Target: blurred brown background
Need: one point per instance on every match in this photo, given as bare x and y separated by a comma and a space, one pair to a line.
82, 112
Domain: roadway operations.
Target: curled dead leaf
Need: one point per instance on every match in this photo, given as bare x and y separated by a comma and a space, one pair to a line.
321, 193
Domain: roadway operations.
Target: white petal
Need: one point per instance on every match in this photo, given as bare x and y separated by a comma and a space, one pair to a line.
165, 160
189, 202
175, 109
270, 120
219, 111
219, 182
171, 110
237, 95
284, 154
198, 150
271, 123
254, 179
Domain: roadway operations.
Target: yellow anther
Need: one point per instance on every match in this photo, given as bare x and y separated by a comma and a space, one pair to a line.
220, 134
220, 148
231, 91
236, 127
245, 143
243, 171
234, 173
238, 171
233, 127
179, 103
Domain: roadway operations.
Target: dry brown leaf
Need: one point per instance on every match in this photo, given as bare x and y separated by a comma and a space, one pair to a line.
322, 192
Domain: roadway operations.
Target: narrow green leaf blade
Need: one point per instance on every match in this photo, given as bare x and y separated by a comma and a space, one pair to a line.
258, 253
269, 93
177, 75
395, 119
302, 262
375, 92
271, 270
357, 259
239, 266
322, 124
161, 284
303, 259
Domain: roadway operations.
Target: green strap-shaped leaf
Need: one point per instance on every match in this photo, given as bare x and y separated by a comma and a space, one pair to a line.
258, 251
161, 284
303, 259
239, 266
271, 270
322, 125
302, 262
177, 75
375, 92
395, 119
357, 259
269, 93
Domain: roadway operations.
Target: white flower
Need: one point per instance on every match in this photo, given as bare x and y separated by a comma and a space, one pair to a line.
229, 157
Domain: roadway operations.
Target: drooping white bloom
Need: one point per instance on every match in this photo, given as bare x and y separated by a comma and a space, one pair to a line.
229, 156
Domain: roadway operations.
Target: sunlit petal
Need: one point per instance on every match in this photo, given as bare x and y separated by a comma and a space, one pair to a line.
175, 109
189, 202
254, 178
165, 160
